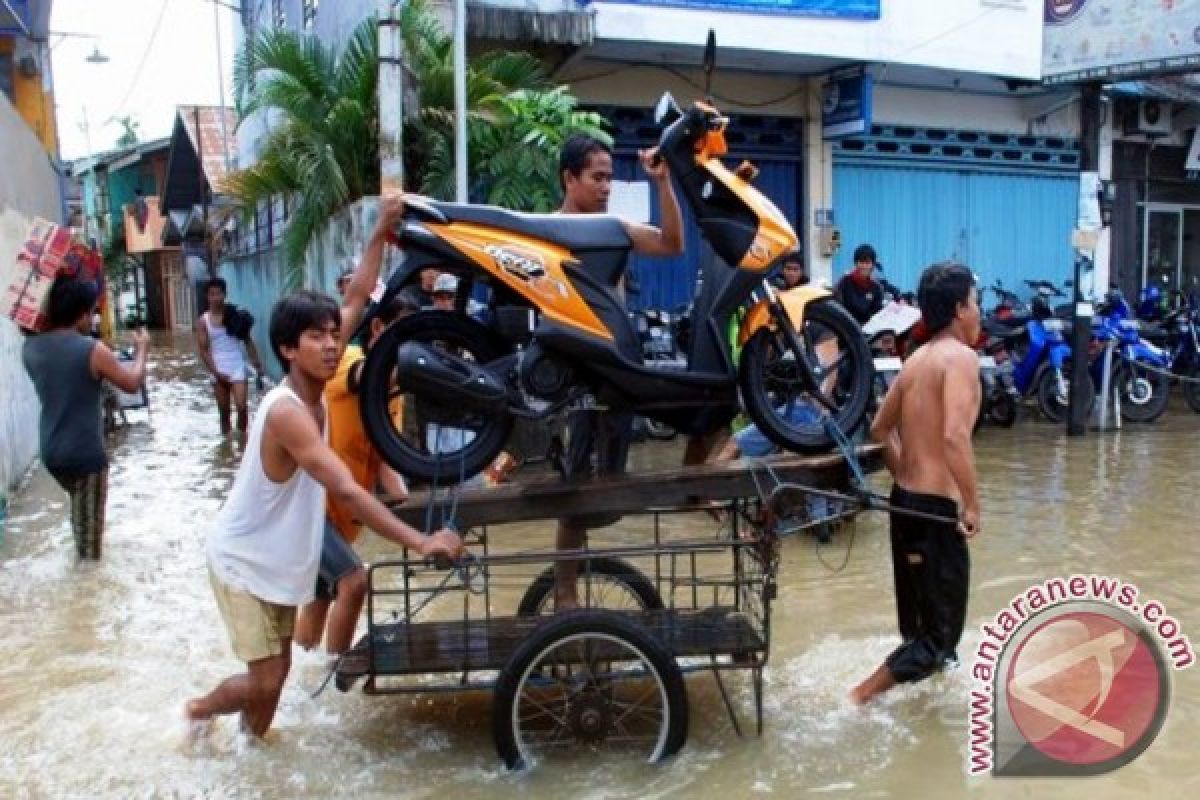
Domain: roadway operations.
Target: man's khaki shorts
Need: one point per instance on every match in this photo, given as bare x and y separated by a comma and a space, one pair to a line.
256, 628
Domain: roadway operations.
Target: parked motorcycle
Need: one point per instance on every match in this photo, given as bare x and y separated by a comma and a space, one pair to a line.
999, 401
1041, 354
1176, 330
658, 332
1140, 370
559, 336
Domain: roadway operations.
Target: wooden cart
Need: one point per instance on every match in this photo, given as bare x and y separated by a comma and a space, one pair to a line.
691, 594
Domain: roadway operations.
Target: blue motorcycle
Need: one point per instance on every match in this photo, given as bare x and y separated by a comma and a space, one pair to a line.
1141, 371
1041, 354
1177, 330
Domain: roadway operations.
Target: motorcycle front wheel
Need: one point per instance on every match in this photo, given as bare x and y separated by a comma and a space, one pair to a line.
782, 400
426, 437
1144, 394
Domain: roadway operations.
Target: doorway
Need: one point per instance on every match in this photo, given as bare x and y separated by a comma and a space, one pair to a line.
1171, 247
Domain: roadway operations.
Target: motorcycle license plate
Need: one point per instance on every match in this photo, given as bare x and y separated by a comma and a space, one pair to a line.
987, 362
888, 364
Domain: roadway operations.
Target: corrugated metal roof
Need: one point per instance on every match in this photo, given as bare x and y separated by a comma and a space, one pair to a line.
1176, 88
551, 21
214, 142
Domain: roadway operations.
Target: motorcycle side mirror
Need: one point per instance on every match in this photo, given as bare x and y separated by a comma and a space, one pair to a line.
667, 110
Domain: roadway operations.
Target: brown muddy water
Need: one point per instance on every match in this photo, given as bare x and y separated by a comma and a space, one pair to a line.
99, 658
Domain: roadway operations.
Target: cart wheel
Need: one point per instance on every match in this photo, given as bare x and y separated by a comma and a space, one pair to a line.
606, 583
589, 679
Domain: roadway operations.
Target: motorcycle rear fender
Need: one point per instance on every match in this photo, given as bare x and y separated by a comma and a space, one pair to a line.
794, 301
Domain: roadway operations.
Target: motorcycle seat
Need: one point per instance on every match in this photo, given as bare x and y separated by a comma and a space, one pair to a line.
1007, 327
573, 231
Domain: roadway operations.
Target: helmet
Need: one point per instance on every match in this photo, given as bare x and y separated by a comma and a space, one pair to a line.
1150, 302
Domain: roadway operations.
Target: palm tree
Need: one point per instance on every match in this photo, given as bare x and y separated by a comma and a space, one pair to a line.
323, 150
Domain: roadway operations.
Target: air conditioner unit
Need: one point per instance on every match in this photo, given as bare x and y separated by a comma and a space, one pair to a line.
1153, 118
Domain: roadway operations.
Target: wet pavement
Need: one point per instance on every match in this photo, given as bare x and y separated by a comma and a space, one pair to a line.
98, 658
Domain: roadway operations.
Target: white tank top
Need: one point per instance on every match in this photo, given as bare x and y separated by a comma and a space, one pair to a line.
266, 539
225, 348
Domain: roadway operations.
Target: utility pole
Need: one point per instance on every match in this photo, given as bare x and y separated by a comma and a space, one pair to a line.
391, 93
1081, 334
460, 100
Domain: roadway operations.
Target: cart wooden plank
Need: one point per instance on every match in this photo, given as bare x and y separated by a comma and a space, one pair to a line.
550, 497
479, 644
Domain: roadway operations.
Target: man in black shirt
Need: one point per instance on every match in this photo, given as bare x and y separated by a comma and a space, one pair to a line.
857, 291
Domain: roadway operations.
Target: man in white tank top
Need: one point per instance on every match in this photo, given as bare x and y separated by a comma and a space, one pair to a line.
265, 543
221, 353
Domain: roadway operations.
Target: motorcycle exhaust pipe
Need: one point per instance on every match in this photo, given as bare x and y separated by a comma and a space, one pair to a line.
448, 379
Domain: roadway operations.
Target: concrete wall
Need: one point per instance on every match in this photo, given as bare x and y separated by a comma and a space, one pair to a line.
257, 281
599, 83
29, 188
902, 105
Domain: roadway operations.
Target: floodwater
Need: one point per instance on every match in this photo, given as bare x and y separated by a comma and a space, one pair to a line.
99, 658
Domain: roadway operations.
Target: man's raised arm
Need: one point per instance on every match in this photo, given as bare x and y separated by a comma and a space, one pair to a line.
667, 240
366, 275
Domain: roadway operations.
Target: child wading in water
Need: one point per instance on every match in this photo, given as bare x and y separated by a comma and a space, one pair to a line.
265, 544
925, 425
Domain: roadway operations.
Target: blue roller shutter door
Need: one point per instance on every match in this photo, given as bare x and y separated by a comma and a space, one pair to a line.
1008, 226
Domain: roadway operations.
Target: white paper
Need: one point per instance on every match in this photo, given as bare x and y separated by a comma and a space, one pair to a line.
630, 200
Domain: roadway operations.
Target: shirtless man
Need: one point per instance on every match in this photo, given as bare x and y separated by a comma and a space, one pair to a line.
925, 426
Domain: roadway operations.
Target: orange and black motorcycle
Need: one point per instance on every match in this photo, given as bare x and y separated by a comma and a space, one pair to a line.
440, 390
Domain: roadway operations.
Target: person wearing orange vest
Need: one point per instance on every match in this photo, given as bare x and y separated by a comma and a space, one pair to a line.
342, 579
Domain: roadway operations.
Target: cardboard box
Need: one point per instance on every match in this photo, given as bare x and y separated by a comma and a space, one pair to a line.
41, 257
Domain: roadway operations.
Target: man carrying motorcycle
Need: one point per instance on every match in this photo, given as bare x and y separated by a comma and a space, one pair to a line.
585, 173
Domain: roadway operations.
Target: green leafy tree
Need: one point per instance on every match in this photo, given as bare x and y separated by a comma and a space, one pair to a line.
323, 148
514, 152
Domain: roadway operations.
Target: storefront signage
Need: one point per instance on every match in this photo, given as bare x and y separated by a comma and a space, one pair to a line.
846, 103
14, 17
834, 9
1087, 40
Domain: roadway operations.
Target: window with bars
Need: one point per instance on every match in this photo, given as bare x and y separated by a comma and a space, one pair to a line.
278, 15
278, 218
262, 225
309, 13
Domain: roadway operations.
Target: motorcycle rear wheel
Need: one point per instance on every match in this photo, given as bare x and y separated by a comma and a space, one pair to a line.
406, 447
1003, 409
1191, 389
772, 385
